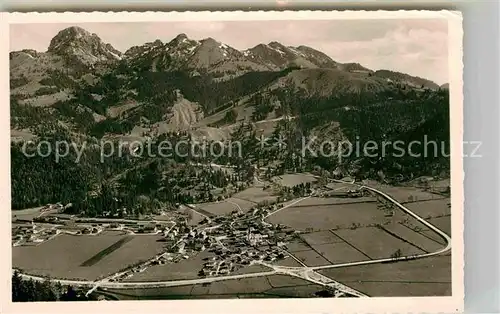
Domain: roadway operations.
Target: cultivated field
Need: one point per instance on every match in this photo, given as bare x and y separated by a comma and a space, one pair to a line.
289, 262
227, 206
325, 217
443, 223
422, 277
251, 269
184, 269
256, 195
86, 256
258, 287
27, 214
376, 243
321, 237
291, 180
403, 193
311, 258
417, 239
432, 208
315, 201
338, 253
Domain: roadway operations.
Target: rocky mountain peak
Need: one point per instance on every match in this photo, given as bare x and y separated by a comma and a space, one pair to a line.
181, 36
276, 44
209, 42
87, 48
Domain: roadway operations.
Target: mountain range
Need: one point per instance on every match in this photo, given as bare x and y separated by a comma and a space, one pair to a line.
86, 88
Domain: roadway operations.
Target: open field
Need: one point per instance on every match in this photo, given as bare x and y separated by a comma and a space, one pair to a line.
325, 217
217, 208
110, 249
404, 193
297, 246
289, 261
26, 214
300, 291
443, 223
245, 205
320, 237
184, 269
336, 186
311, 258
258, 287
432, 208
139, 249
226, 207
251, 269
418, 239
291, 180
398, 279
240, 286
376, 243
341, 252
256, 195
350, 245
64, 256
316, 201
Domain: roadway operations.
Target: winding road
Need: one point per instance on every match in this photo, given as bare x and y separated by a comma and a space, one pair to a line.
304, 272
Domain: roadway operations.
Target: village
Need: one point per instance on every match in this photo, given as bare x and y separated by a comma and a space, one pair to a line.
233, 241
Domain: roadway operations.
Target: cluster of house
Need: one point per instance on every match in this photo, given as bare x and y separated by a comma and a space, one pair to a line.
57, 207
31, 233
242, 238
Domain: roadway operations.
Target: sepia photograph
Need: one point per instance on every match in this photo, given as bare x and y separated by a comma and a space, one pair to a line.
234, 159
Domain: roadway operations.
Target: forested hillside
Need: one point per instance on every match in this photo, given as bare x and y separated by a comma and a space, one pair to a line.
205, 89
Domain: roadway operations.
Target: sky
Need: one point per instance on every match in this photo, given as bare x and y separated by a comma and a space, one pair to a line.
415, 46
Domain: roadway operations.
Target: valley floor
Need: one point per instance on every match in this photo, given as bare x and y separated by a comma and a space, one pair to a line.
346, 245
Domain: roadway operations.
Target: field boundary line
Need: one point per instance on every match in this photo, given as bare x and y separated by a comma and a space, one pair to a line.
401, 238
352, 246
312, 248
423, 234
